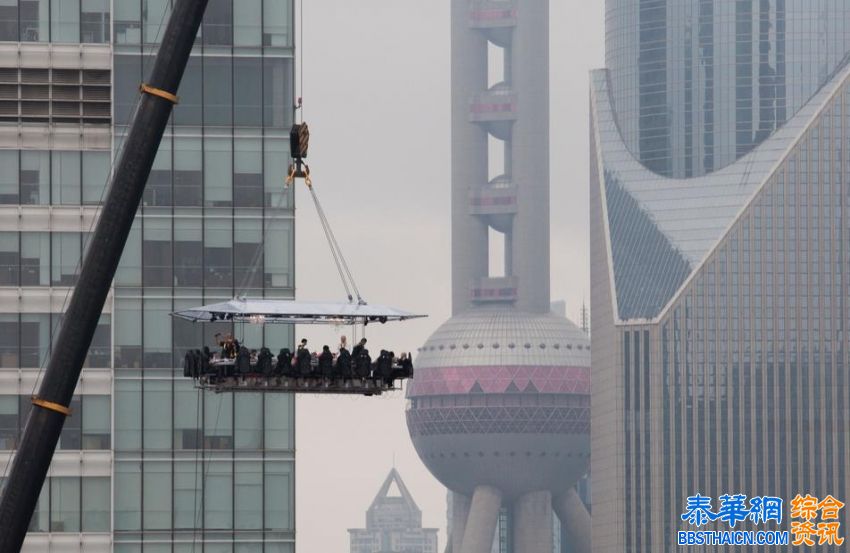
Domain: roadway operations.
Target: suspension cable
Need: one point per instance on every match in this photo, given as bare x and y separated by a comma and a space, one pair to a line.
334, 254
335, 249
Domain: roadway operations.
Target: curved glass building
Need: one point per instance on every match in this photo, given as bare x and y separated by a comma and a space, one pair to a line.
719, 198
697, 84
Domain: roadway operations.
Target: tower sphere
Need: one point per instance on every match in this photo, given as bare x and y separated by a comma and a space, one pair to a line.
502, 398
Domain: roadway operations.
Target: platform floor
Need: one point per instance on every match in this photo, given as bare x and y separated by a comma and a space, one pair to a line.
263, 384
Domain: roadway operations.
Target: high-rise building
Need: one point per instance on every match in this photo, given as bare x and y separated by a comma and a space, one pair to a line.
719, 269
697, 84
499, 409
393, 523
146, 462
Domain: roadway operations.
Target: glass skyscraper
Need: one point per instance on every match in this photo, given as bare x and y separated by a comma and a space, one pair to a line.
147, 463
697, 84
720, 184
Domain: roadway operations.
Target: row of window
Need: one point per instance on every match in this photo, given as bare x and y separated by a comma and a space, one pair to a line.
145, 335
40, 258
219, 171
165, 414
244, 543
214, 494
25, 340
221, 253
214, 171
69, 21
255, 23
90, 427
59, 177
72, 504
162, 252
240, 23
216, 90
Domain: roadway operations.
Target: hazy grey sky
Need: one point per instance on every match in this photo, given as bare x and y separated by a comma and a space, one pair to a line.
376, 95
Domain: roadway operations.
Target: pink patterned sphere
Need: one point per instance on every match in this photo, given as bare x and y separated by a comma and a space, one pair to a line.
502, 397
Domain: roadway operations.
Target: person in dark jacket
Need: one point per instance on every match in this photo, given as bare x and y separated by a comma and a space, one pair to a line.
326, 362
361, 345
189, 365
284, 363
362, 362
205, 361
243, 362
343, 363
265, 363
303, 360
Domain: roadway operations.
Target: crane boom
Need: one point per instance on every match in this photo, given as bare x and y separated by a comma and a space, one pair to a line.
106, 245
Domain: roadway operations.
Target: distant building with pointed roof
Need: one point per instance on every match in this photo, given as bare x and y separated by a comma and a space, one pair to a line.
393, 523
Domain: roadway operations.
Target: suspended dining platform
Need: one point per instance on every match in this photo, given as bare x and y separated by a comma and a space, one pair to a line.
238, 368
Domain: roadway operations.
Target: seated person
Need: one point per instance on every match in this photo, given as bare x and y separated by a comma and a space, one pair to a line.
407, 366
361, 345
303, 361
386, 368
264, 362
378, 368
243, 361
189, 364
284, 363
326, 361
362, 363
343, 363
206, 367
403, 368
199, 364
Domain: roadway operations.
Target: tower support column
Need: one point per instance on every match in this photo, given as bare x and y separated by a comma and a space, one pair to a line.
460, 512
533, 523
575, 519
482, 520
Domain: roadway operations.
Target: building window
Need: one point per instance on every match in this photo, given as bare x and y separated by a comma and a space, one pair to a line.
218, 23
277, 25
218, 495
94, 21
65, 21
9, 174
278, 496
9, 260
65, 504
8, 422
97, 504
248, 506
34, 20
248, 23
218, 252
66, 178
35, 177
9, 21
188, 252
277, 95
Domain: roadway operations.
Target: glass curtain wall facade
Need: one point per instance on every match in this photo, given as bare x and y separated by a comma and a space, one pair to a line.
699, 83
720, 346
147, 463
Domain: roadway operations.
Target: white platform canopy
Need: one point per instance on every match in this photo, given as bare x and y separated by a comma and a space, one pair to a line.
265, 311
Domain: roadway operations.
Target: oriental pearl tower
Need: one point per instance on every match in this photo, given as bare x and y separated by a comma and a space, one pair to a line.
499, 410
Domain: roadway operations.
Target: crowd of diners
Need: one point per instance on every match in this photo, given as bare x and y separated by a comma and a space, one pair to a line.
235, 360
